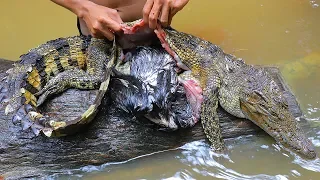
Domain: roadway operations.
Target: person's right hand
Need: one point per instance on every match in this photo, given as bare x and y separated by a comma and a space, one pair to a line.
100, 20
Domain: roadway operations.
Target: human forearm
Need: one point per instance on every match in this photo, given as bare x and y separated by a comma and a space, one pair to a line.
101, 21
78, 7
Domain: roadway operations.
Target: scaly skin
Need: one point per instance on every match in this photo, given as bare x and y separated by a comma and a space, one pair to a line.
98, 53
73, 62
242, 90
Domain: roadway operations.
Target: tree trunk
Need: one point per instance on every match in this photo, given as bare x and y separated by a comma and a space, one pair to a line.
109, 138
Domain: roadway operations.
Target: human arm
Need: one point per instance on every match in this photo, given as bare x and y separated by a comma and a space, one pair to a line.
100, 20
162, 10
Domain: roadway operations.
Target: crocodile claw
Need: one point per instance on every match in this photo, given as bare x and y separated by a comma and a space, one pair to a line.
51, 88
44, 96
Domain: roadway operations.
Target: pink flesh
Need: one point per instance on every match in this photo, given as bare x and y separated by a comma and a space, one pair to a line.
194, 96
140, 26
131, 30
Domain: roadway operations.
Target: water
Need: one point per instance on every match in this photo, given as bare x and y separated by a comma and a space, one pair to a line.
270, 32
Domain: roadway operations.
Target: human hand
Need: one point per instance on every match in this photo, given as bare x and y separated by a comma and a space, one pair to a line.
163, 10
100, 20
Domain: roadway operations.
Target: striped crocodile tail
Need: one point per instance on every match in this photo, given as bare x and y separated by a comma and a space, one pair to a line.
12, 88
18, 101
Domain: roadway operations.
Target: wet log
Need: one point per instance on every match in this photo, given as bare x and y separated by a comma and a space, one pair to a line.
109, 138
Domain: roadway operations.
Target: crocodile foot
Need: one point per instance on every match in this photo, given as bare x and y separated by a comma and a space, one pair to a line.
193, 93
54, 86
70, 78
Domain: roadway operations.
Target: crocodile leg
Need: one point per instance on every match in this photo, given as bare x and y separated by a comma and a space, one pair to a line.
210, 122
209, 117
210, 82
72, 78
97, 55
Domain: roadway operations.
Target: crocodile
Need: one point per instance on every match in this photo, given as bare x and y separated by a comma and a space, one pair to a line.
74, 62
212, 77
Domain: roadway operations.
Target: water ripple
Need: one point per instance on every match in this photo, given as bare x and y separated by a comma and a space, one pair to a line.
314, 3
312, 165
199, 155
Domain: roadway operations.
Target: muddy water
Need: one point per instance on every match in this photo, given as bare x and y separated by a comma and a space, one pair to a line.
270, 32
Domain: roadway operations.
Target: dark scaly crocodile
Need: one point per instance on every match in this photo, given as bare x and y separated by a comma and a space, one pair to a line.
214, 77
74, 62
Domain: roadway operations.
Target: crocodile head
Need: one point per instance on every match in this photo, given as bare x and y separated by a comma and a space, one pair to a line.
268, 108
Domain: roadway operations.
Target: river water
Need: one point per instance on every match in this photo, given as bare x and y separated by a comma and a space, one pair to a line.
284, 33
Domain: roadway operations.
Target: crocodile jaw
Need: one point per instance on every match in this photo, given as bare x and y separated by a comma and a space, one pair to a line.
281, 125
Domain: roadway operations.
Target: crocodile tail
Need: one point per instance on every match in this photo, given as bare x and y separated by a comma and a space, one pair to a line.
35, 68
29, 118
17, 100
11, 88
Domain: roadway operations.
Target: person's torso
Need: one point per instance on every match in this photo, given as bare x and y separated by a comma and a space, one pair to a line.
129, 10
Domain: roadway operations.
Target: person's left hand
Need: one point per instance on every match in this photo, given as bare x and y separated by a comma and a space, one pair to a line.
162, 10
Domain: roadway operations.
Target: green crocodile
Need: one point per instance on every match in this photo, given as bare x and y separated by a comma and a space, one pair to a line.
74, 62
213, 77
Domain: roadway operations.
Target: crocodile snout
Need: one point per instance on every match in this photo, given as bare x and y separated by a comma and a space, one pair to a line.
281, 126
307, 149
